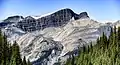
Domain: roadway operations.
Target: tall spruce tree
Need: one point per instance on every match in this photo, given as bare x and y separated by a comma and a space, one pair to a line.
118, 33
29, 63
24, 61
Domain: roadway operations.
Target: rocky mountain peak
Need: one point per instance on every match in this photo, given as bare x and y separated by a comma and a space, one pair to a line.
84, 15
29, 17
12, 18
65, 11
59, 18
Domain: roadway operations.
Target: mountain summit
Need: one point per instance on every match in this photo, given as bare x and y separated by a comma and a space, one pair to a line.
56, 19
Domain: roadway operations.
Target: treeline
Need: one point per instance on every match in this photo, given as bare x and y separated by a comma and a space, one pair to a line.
105, 52
10, 54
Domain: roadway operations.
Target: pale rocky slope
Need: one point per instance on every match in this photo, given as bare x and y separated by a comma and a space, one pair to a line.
54, 43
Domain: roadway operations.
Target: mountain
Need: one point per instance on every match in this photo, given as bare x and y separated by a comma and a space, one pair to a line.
10, 20
51, 39
59, 18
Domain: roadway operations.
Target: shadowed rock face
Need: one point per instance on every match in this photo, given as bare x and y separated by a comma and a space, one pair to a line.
11, 20
59, 18
83, 15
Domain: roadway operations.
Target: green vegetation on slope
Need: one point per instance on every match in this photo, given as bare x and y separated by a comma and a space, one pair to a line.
10, 54
105, 52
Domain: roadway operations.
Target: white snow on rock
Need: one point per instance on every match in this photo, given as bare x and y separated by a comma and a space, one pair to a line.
36, 17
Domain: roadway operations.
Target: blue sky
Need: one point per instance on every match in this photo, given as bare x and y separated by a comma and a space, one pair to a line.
97, 9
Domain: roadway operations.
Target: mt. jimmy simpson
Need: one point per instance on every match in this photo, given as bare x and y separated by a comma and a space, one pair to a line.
52, 39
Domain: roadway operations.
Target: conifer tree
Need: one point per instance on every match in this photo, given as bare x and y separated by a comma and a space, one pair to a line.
29, 63
24, 61
118, 33
115, 29
73, 60
16, 53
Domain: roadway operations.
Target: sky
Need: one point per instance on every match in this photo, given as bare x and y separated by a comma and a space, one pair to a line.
96, 9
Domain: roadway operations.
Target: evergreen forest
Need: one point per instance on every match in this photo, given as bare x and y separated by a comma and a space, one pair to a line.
106, 51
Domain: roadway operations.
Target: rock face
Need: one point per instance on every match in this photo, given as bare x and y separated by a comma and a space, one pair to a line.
60, 42
13, 18
59, 18
38, 48
83, 15
10, 20
50, 40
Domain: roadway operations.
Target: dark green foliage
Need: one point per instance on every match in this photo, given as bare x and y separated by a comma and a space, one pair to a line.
73, 60
24, 61
115, 30
105, 52
29, 63
16, 54
10, 54
118, 33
